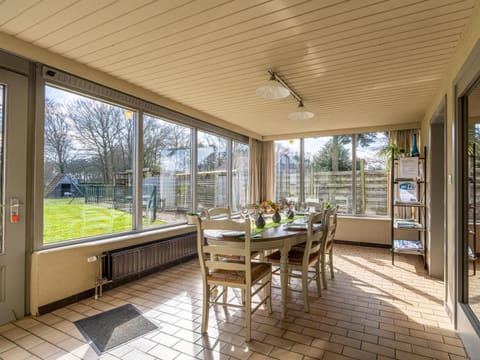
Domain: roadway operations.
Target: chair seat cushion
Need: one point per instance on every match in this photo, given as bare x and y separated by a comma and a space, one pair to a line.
236, 257
259, 270
294, 257
301, 247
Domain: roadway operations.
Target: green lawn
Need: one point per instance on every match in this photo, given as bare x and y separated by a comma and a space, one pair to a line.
67, 219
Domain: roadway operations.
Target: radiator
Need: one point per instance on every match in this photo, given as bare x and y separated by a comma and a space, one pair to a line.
141, 259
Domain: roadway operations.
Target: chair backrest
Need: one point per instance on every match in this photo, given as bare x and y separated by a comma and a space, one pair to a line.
314, 235
313, 206
218, 212
210, 253
331, 223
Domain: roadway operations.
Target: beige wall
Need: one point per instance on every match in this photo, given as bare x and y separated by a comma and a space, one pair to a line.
470, 40
63, 272
375, 231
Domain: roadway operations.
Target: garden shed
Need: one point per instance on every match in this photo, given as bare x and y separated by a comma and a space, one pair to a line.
62, 186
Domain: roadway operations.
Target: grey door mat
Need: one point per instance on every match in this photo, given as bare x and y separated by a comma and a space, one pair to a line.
114, 327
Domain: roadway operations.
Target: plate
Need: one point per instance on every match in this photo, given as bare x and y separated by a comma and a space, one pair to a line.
233, 233
294, 226
300, 221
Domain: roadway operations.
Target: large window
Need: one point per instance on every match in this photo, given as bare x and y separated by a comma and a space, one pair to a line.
371, 180
167, 179
2, 109
346, 170
212, 182
239, 175
96, 184
472, 186
287, 170
328, 170
88, 151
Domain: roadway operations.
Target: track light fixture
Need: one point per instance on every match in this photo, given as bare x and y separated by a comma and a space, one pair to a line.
277, 88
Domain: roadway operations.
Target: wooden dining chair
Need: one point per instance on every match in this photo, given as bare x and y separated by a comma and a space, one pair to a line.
301, 260
313, 205
250, 277
327, 244
219, 212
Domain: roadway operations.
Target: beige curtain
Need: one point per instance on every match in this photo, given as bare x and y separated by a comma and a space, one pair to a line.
261, 171
254, 170
268, 170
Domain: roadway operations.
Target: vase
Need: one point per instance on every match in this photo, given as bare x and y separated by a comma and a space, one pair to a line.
260, 221
276, 218
414, 151
291, 214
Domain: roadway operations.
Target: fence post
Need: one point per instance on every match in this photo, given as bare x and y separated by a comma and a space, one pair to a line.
363, 205
154, 193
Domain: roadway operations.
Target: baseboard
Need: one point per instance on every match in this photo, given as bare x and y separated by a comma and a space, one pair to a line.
366, 244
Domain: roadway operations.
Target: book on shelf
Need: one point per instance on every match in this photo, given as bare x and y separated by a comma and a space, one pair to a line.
407, 192
407, 244
408, 167
410, 203
471, 254
408, 224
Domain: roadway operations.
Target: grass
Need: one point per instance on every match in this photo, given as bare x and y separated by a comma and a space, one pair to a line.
67, 219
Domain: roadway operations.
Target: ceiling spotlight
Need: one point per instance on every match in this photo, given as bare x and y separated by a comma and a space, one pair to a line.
272, 89
301, 113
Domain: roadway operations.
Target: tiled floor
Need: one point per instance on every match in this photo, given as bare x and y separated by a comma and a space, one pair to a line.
371, 310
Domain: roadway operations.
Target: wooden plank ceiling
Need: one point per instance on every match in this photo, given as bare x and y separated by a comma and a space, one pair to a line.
355, 63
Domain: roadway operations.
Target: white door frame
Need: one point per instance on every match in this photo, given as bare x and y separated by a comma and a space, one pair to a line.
14, 168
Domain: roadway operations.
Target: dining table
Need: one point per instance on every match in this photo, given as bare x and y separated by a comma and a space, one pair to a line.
282, 237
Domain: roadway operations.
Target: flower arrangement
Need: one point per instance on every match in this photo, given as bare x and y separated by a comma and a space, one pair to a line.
267, 207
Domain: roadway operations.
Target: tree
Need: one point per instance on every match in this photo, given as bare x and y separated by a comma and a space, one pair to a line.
101, 131
333, 156
58, 142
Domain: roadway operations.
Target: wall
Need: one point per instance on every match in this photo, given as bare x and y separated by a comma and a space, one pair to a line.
469, 44
57, 274
354, 229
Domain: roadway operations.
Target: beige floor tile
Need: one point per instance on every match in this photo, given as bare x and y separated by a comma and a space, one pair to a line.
371, 310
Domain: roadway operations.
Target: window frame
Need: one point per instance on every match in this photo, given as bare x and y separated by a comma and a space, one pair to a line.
48, 76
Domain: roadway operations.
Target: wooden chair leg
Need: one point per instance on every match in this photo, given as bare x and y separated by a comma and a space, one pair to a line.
306, 305
206, 303
248, 313
324, 272
225, 294
317, 275
330, 255
268, 292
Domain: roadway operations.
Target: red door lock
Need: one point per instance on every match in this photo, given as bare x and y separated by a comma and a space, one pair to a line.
14, 210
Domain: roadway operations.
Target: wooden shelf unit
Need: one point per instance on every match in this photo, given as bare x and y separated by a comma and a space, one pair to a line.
417, 210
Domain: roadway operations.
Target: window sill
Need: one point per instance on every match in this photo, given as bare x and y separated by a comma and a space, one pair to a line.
120, 240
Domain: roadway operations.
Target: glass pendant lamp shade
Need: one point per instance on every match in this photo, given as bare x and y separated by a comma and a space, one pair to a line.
272, 89
301, 113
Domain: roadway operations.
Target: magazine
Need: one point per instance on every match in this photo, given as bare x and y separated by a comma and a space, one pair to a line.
407, 192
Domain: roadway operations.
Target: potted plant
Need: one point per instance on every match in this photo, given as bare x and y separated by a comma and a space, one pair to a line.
191, 216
